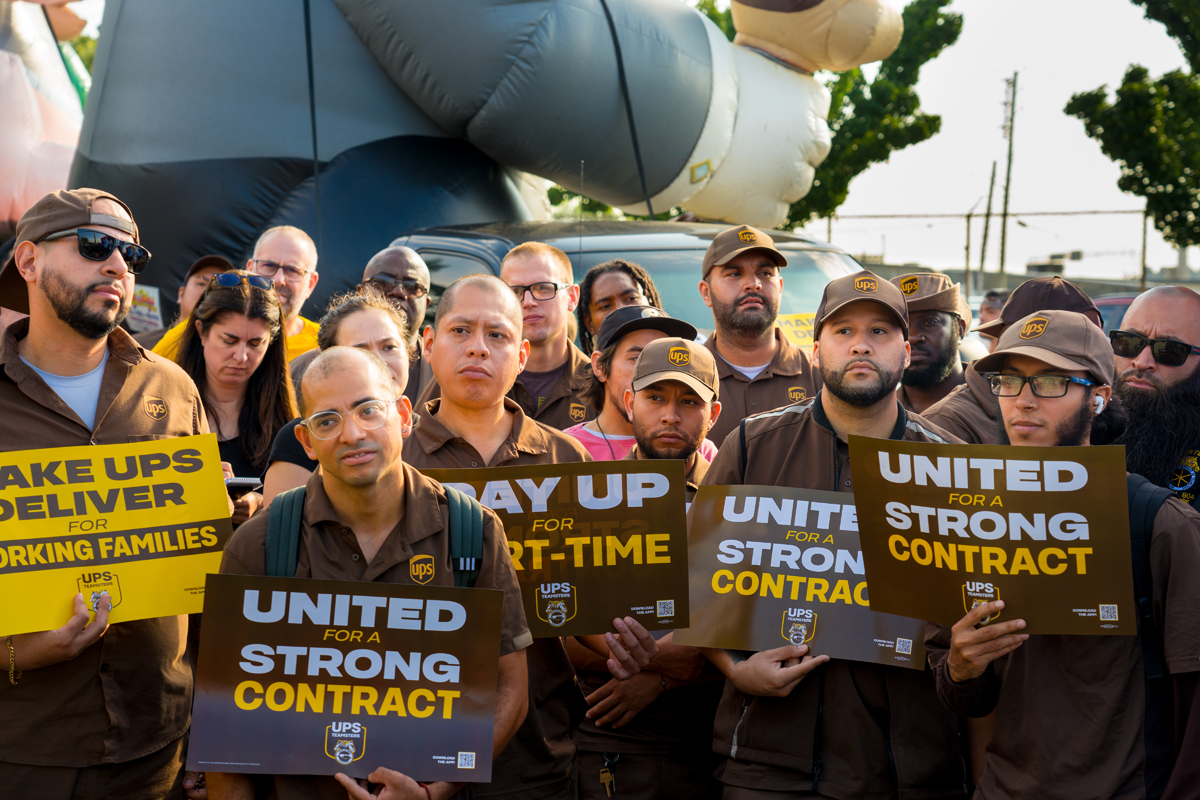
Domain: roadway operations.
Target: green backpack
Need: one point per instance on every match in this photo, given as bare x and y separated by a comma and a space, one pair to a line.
466, 535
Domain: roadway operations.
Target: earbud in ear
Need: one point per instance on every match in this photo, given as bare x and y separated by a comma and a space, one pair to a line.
1098, 402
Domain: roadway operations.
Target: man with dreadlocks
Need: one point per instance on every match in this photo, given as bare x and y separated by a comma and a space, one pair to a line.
607, 287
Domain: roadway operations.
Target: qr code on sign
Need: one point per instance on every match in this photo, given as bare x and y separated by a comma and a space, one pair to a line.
1108, 613
904, 646
666, 608
466, 760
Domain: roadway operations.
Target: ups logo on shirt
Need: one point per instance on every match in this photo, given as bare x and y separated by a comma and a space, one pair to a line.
1034, 328
155, 408
910, 285
866, 284
576, 412
748, 237
796, 393
420, 569
680, 356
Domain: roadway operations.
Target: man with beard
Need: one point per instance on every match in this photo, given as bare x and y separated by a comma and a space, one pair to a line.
935, 329
619, 342
971, 412
288, 256
1158, 382
759, 368
1079, 716
793, 723
88, 710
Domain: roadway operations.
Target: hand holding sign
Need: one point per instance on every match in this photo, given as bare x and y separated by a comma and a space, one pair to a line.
53, 647
974, 643
632, 648
770, 673
396, 786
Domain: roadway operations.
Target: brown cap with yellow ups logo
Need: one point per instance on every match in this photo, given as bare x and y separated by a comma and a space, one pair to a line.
727, 244
675, 359
1063, 339
861, 286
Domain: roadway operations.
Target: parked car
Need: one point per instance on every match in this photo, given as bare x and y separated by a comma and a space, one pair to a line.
1112, 309
670, 251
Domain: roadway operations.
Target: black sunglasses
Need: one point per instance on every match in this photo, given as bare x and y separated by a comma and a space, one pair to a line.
98, 246
406, 287
231, 279
1168, 352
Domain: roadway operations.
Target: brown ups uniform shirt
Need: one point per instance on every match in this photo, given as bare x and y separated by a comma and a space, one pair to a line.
849, 729
789, 379
564, 406
129, 694
1072, 715
970, 412
537, 761
329, 551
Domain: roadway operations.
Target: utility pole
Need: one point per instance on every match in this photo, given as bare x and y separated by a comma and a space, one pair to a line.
829, 229
967, 268
1145, 226
1009, 118
987, 220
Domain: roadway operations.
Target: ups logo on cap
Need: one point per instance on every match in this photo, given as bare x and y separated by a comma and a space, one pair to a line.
420, 569
155, 408
866, 284
748, 236
1034, 328
576, 412
680, 356
910, 285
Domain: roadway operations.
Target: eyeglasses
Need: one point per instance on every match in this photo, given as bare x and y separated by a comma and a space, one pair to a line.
405, 288
1042, 385
545, 290
1167, 352
98, 246
270, 269
367, 416
231, 279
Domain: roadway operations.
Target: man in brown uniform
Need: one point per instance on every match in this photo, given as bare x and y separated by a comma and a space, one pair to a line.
476, 351
366, 514
937, 321
653, 732
553, 383
971, 412
1076, 716
795, 725
88, 710
760, 369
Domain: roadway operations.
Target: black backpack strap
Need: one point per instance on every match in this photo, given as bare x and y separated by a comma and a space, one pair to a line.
742, 444
1145, 499
283, 533
466, 537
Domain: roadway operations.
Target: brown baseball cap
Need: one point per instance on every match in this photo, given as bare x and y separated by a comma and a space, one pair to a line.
1062, 339
861, 286
929, 291
727, 244
1039, 294
675, 359
205, 262
58, 211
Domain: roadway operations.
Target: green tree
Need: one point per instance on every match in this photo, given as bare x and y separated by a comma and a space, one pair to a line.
1150, 128
85, 46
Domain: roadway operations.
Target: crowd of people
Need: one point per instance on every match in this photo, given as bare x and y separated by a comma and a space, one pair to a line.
345, 413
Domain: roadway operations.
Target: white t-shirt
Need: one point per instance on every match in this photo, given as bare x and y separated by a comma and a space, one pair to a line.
750, 372
80, 392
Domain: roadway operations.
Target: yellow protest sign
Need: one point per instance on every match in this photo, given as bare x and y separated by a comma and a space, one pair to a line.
142, 522
798, 328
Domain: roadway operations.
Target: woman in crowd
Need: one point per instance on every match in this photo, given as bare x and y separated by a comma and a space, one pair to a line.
363, 319
608, 286
234, 351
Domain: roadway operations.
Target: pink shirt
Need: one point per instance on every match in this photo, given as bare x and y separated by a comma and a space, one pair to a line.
612, 447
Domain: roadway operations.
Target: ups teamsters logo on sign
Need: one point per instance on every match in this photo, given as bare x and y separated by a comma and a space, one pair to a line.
346, 742
556, 603
866, 284
155, 408
94, 585
420, 569
748, 237
796, 393
680, 356
799, 625
1034, 328
910, 285
976, 593
577, 412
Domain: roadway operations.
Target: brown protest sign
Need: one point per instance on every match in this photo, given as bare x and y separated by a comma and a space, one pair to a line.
772, 566
1045, 529
590, 541
309, 677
